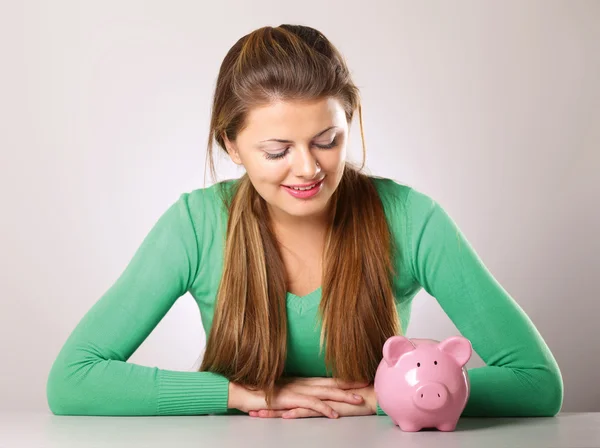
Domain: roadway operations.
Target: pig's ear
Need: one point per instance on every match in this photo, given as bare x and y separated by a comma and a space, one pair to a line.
395, 347
458, 347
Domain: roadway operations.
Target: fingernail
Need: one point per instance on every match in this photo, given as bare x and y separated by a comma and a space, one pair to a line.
335, 414
357, 397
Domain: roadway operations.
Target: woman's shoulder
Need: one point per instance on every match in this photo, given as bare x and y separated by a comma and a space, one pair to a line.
207, 206
391, 189
400, 199
212, 194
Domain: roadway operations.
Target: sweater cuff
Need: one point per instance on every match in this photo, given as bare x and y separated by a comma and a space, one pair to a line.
192, 393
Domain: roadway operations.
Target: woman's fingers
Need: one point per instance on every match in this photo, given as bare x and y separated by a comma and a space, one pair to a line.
295, 400
288, 397
330, 393
315, 396
290, 413
300, 413
268, 413
327, 382
285, 413
343, 409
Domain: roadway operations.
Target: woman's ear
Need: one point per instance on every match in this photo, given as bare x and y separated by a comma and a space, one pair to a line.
232, 150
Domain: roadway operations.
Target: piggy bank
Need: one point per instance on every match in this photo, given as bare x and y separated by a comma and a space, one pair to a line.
423, 384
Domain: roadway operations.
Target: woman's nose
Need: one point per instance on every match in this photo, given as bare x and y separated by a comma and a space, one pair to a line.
305, 165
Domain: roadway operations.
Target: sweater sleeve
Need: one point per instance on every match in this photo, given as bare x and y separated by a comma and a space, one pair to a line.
91, 375
521, 377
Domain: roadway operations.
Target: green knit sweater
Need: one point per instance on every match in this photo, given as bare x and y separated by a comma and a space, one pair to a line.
183, 252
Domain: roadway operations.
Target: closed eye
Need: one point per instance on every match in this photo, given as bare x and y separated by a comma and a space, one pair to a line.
268, 156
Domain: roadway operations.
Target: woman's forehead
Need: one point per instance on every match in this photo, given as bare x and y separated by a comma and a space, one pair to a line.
292, 120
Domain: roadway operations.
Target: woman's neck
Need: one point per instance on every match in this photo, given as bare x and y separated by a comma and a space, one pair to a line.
290, 226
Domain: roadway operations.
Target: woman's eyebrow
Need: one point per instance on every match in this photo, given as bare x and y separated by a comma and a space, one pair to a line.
289, 141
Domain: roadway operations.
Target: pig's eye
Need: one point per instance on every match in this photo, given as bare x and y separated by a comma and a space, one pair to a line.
435, 362
418, 364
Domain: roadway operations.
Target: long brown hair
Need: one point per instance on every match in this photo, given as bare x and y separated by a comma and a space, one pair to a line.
247, 342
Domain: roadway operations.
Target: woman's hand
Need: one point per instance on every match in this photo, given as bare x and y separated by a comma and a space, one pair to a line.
366, 406
315, 394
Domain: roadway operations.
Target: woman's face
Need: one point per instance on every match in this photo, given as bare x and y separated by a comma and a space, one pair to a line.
308, 129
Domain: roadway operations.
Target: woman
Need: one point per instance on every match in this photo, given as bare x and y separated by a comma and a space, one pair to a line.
302, 268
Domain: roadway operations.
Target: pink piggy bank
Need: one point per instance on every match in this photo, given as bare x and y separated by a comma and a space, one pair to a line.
423, 384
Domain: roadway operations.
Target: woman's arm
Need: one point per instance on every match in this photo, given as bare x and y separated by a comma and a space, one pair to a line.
91, 375
521, 376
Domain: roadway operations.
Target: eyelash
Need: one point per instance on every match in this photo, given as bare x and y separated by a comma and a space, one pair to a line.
282, 154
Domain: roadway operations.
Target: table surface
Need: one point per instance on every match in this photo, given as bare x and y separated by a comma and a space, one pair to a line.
43, 429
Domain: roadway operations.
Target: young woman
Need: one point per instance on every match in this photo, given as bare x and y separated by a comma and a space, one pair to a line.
301, 269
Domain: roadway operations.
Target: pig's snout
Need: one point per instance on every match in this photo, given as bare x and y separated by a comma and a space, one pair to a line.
431, 396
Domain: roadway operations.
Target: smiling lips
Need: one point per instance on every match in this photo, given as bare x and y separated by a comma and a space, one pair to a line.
303, 185
306, 193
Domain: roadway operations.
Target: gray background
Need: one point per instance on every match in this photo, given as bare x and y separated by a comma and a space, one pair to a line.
491, 108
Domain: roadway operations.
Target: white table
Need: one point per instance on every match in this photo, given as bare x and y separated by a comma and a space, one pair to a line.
42, 429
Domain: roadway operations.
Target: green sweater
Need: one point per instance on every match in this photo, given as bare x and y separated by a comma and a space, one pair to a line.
183, 252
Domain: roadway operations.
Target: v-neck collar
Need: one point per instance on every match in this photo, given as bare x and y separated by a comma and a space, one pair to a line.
302, 304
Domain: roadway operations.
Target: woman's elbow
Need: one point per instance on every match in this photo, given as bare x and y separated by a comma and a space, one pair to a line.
60, 392
550, 392
556, 396
55, 393
57, 404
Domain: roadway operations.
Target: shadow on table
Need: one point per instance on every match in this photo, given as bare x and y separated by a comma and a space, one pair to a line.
479, 423
476, 423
